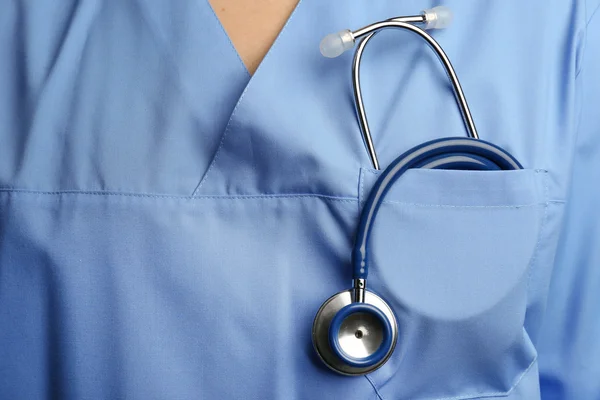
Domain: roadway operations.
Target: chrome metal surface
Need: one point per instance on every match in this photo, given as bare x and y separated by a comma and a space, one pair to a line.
370, 32
409, 19
427, 17
359, 290
320, 332
360, 335
363, 123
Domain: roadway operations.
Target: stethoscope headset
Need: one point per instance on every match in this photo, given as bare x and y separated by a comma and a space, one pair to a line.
355, 331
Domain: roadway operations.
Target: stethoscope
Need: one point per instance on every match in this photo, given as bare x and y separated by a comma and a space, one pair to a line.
355, 331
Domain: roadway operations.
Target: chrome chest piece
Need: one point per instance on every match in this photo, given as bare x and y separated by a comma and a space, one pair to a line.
354, 340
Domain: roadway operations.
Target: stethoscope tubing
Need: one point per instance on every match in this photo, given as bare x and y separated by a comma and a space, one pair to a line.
445, 153
369, 32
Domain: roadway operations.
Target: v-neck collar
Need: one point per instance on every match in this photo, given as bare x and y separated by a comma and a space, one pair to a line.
232, 46
236, 41
251, 79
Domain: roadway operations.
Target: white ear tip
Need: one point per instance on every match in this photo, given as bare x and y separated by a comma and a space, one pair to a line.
438, 17
335, 44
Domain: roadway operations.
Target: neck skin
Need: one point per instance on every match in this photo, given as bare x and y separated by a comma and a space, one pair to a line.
253, 25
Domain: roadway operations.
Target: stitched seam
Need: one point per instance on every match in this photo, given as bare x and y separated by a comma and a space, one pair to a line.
377, 172
486, 395
520, 378
585, 33
207, 197
361, 193
579, 61
540, 235
592, 16
233, 197
222, 142
413, 204
424, 205
497, 394
374, 387
239, 103
491, 395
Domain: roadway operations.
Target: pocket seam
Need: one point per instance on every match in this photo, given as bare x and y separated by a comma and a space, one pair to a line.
542, 200
487, 395
497, 394
361, 194
541, 232
425, 205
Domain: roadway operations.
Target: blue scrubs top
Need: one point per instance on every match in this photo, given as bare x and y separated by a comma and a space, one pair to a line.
170, 225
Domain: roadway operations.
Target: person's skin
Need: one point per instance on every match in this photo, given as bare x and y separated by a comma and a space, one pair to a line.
253, 25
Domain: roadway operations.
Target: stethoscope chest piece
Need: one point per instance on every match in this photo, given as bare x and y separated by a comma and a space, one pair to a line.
354, 338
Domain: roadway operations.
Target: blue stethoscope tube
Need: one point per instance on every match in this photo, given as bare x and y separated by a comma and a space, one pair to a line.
445, 153
355, 331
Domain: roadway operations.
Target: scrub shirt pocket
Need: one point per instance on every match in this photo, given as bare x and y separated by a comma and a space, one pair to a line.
453, 251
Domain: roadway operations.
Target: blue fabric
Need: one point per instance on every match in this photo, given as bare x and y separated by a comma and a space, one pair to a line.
169, 226
444, 153
569, 342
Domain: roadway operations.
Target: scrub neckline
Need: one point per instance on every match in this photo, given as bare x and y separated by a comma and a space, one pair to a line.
232, 46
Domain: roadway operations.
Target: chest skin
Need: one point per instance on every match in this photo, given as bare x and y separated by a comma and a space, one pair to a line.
253, 25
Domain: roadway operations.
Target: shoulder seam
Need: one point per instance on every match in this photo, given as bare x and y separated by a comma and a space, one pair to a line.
591, 16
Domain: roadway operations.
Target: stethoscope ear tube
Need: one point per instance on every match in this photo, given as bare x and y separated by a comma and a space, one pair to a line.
434, 45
